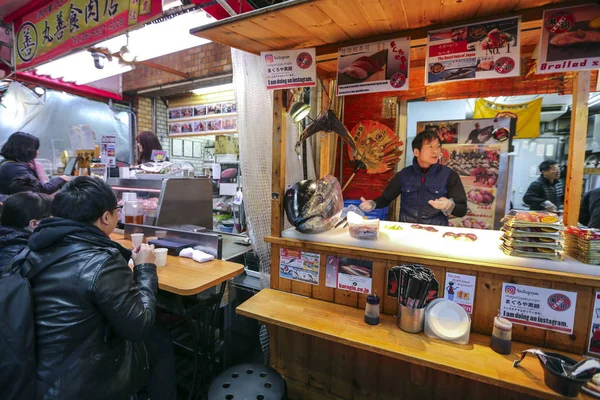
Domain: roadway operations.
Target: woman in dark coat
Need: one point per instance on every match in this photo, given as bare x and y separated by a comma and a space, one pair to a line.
21, 214
19, 152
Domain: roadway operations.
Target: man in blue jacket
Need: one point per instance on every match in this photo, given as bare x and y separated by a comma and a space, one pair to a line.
430, 191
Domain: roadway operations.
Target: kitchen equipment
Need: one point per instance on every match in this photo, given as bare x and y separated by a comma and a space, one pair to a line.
446, 320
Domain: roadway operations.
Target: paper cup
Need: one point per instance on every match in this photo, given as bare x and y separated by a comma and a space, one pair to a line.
137, 239
161, 234
161, 257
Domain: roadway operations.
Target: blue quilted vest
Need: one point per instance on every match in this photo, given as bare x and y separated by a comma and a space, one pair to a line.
417, 188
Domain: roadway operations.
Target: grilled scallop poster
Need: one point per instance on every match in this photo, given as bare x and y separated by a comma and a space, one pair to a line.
373, 67
482, 50
570, 39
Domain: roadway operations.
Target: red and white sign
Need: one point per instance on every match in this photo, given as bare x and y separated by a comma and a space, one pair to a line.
287, 69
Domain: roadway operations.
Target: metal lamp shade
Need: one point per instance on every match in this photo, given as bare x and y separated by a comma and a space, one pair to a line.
299, 111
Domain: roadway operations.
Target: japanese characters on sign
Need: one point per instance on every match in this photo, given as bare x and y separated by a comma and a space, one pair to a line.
482, 50
349, 274
373, 67
537, 307
594, 345
64, 25
461, 290
299, 266
570, 39
287, 69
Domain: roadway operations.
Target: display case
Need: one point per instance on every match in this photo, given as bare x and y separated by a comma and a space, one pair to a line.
170, 202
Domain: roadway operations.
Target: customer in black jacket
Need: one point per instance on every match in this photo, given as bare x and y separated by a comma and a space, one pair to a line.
546, 192
589, 211
21, 214
90, 306
19, 152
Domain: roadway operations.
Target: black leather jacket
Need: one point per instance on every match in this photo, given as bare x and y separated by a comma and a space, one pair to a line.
88, 291
12, 242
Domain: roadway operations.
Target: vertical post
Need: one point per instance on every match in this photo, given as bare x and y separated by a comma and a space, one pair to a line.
324, 140
401, 132
278, 166
579, 117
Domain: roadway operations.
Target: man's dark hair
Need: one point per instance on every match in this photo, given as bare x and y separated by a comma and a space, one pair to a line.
19, 209
24, 183
546, 165
21, 147
423, 138
84, 199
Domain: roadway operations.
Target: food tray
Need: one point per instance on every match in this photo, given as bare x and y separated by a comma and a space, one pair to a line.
529, 254
519, 244
518, 233
532, 219
361, 228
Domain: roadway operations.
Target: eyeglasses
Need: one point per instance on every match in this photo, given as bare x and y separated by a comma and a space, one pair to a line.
119, 207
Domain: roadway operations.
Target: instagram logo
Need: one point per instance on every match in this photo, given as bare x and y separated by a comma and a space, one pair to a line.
510, 290
269, 58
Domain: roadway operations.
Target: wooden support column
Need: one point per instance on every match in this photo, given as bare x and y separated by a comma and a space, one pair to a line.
278, 166
579, 121
401, 132
324, 138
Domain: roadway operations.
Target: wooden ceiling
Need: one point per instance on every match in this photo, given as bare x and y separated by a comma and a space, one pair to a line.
329, 24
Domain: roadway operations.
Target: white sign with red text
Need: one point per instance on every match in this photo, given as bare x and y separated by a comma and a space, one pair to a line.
286, 69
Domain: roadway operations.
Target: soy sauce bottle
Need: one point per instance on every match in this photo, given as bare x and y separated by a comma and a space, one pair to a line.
372, 310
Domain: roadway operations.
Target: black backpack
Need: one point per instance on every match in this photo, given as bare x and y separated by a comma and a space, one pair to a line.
18, 377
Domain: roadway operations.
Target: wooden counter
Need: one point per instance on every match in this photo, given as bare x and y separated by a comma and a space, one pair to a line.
187, 277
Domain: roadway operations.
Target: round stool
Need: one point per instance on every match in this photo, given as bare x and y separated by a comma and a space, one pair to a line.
248, 382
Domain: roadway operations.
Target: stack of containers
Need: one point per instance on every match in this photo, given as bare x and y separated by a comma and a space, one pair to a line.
583, 244
534, 234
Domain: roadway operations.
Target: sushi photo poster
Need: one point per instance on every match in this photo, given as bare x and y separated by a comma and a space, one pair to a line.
570, 39
483, 50
373, 67
349, 274
299, 266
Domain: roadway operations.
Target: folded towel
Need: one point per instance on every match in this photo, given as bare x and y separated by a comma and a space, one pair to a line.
188, 252
200, 256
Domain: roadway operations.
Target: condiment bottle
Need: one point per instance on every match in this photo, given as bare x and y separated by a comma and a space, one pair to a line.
372, 310
501, 335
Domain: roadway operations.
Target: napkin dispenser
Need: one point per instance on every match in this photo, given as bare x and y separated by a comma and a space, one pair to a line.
447, 321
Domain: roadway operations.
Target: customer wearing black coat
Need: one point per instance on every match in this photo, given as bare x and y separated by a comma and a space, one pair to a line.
91, 310
21, 214
589, 211
19, 152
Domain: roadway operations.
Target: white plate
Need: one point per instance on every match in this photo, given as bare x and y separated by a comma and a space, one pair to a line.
448, 320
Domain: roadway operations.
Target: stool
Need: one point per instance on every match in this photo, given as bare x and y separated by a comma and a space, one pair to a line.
248, 382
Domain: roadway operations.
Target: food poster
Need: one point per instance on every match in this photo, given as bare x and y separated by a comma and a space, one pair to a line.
461, 290
287, 69
373, 67
542, 308
481, 50
108, 150
299, 266
570, 39
349, 274
594, 345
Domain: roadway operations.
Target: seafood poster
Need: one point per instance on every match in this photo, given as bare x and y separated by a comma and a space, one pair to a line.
352, 274
299, 266
570, 39
461, 290
594, 345
373, 67
483, 50
537, 307
285, 69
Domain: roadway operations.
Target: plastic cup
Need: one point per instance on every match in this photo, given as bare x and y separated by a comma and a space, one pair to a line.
160, 234
161, 257
137, 239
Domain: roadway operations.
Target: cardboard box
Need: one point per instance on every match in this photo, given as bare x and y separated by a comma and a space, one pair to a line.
226, 144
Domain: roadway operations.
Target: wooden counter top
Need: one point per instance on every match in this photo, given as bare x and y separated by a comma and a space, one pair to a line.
343, 324
187, 277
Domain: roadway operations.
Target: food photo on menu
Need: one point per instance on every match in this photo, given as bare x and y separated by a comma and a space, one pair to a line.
447, 132
174, 113
187, 112
477, 165
229, 123
213, 125
227, 108
199, 126
214, 109
363, 67
186, 127
174, 128
199, 111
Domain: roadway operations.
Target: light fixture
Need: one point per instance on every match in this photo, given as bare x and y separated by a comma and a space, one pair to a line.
299, 111
125, 53
39, 90
212, 89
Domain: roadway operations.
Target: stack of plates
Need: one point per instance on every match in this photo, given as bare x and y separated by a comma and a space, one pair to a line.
446, 320
583, 244
533, 234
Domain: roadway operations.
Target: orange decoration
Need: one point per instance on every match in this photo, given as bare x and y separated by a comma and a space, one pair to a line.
377, 146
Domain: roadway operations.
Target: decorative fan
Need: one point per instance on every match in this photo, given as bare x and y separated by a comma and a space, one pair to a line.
377, 146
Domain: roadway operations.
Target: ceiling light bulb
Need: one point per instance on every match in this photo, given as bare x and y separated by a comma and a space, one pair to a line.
126, 55
39, 90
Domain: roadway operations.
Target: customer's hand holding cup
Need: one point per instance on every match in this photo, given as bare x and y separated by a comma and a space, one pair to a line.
144, 254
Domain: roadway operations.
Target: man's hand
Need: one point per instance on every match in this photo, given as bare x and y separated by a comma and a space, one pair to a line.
549, 206
143, 254
367, 205
66, 178
443, 204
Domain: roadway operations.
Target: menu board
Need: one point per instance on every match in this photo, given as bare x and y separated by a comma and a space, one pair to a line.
473, 148
570, 39
203, 119
481, 50
373, 67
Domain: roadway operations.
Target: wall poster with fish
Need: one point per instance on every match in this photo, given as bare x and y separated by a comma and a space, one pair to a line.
483, 50
477, 150
352, 274
373, 67
570, 39
299, 266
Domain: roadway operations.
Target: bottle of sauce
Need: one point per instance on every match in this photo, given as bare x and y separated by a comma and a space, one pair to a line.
501, 335
372, 310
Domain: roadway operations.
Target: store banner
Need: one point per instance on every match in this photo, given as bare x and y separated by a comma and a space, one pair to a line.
373, 67
482, 50
570, 39
65, 25
537, 307
286, 69
526, 114
594, 345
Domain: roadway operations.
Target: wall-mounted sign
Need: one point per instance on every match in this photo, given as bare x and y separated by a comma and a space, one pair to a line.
287, 69
299, 266
203, 119
349, 274
594, 345
570, 39
373, 67
461, 290
537, 307
108, 150
483, 50
65, 25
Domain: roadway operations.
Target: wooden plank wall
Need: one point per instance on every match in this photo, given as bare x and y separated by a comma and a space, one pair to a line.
487, 298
